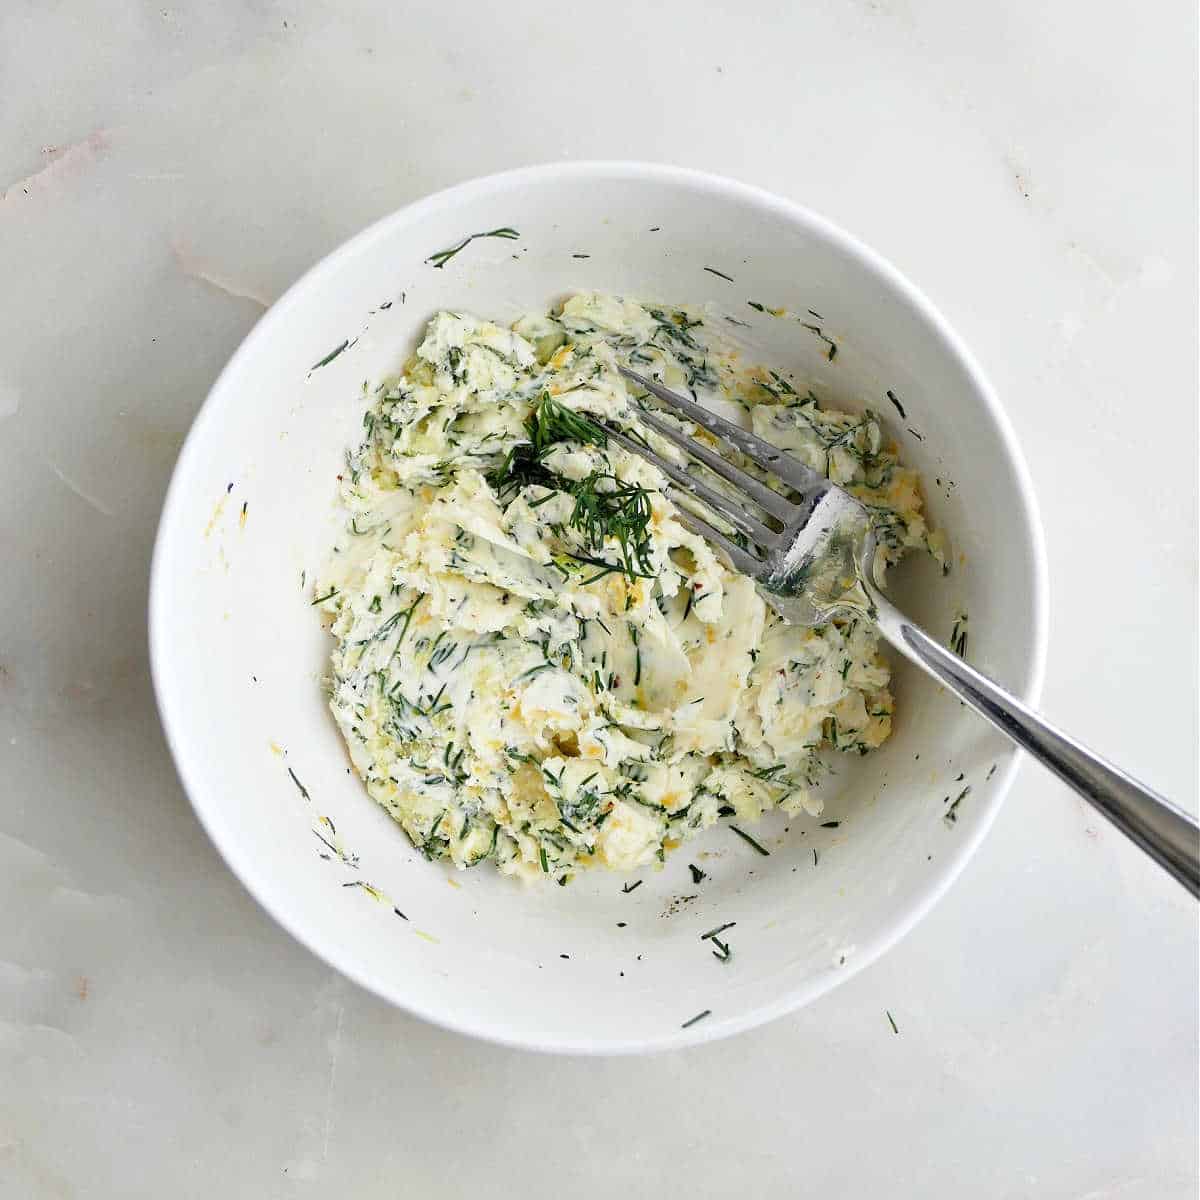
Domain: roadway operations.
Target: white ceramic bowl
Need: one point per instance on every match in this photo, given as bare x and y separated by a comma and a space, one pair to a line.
238, 653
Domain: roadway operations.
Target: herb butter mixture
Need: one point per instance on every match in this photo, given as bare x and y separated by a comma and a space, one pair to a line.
536, 662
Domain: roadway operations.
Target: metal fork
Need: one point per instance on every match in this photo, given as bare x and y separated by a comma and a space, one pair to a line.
812, 557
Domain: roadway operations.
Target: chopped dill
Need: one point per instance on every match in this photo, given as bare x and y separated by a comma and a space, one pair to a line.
951, 813
302, 789
407, 615
958, 636
332, 355
750, 841
533, 672
442, 257
831, 353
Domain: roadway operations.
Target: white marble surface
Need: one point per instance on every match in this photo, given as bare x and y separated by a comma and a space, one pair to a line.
169, 170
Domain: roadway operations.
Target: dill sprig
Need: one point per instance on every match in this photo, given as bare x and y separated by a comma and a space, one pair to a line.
552, 422
547, 425
605, 507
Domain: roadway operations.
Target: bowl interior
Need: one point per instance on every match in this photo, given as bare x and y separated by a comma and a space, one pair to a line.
239, 654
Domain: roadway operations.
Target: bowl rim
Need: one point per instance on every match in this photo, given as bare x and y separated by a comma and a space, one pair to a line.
952, 864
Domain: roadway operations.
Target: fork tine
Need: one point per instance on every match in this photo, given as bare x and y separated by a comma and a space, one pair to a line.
777, 505
742, 560
789, 469
727, 507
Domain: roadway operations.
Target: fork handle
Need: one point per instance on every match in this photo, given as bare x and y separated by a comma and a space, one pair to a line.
1169, 835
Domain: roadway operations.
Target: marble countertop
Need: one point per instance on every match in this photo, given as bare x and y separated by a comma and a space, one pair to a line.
166, 171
